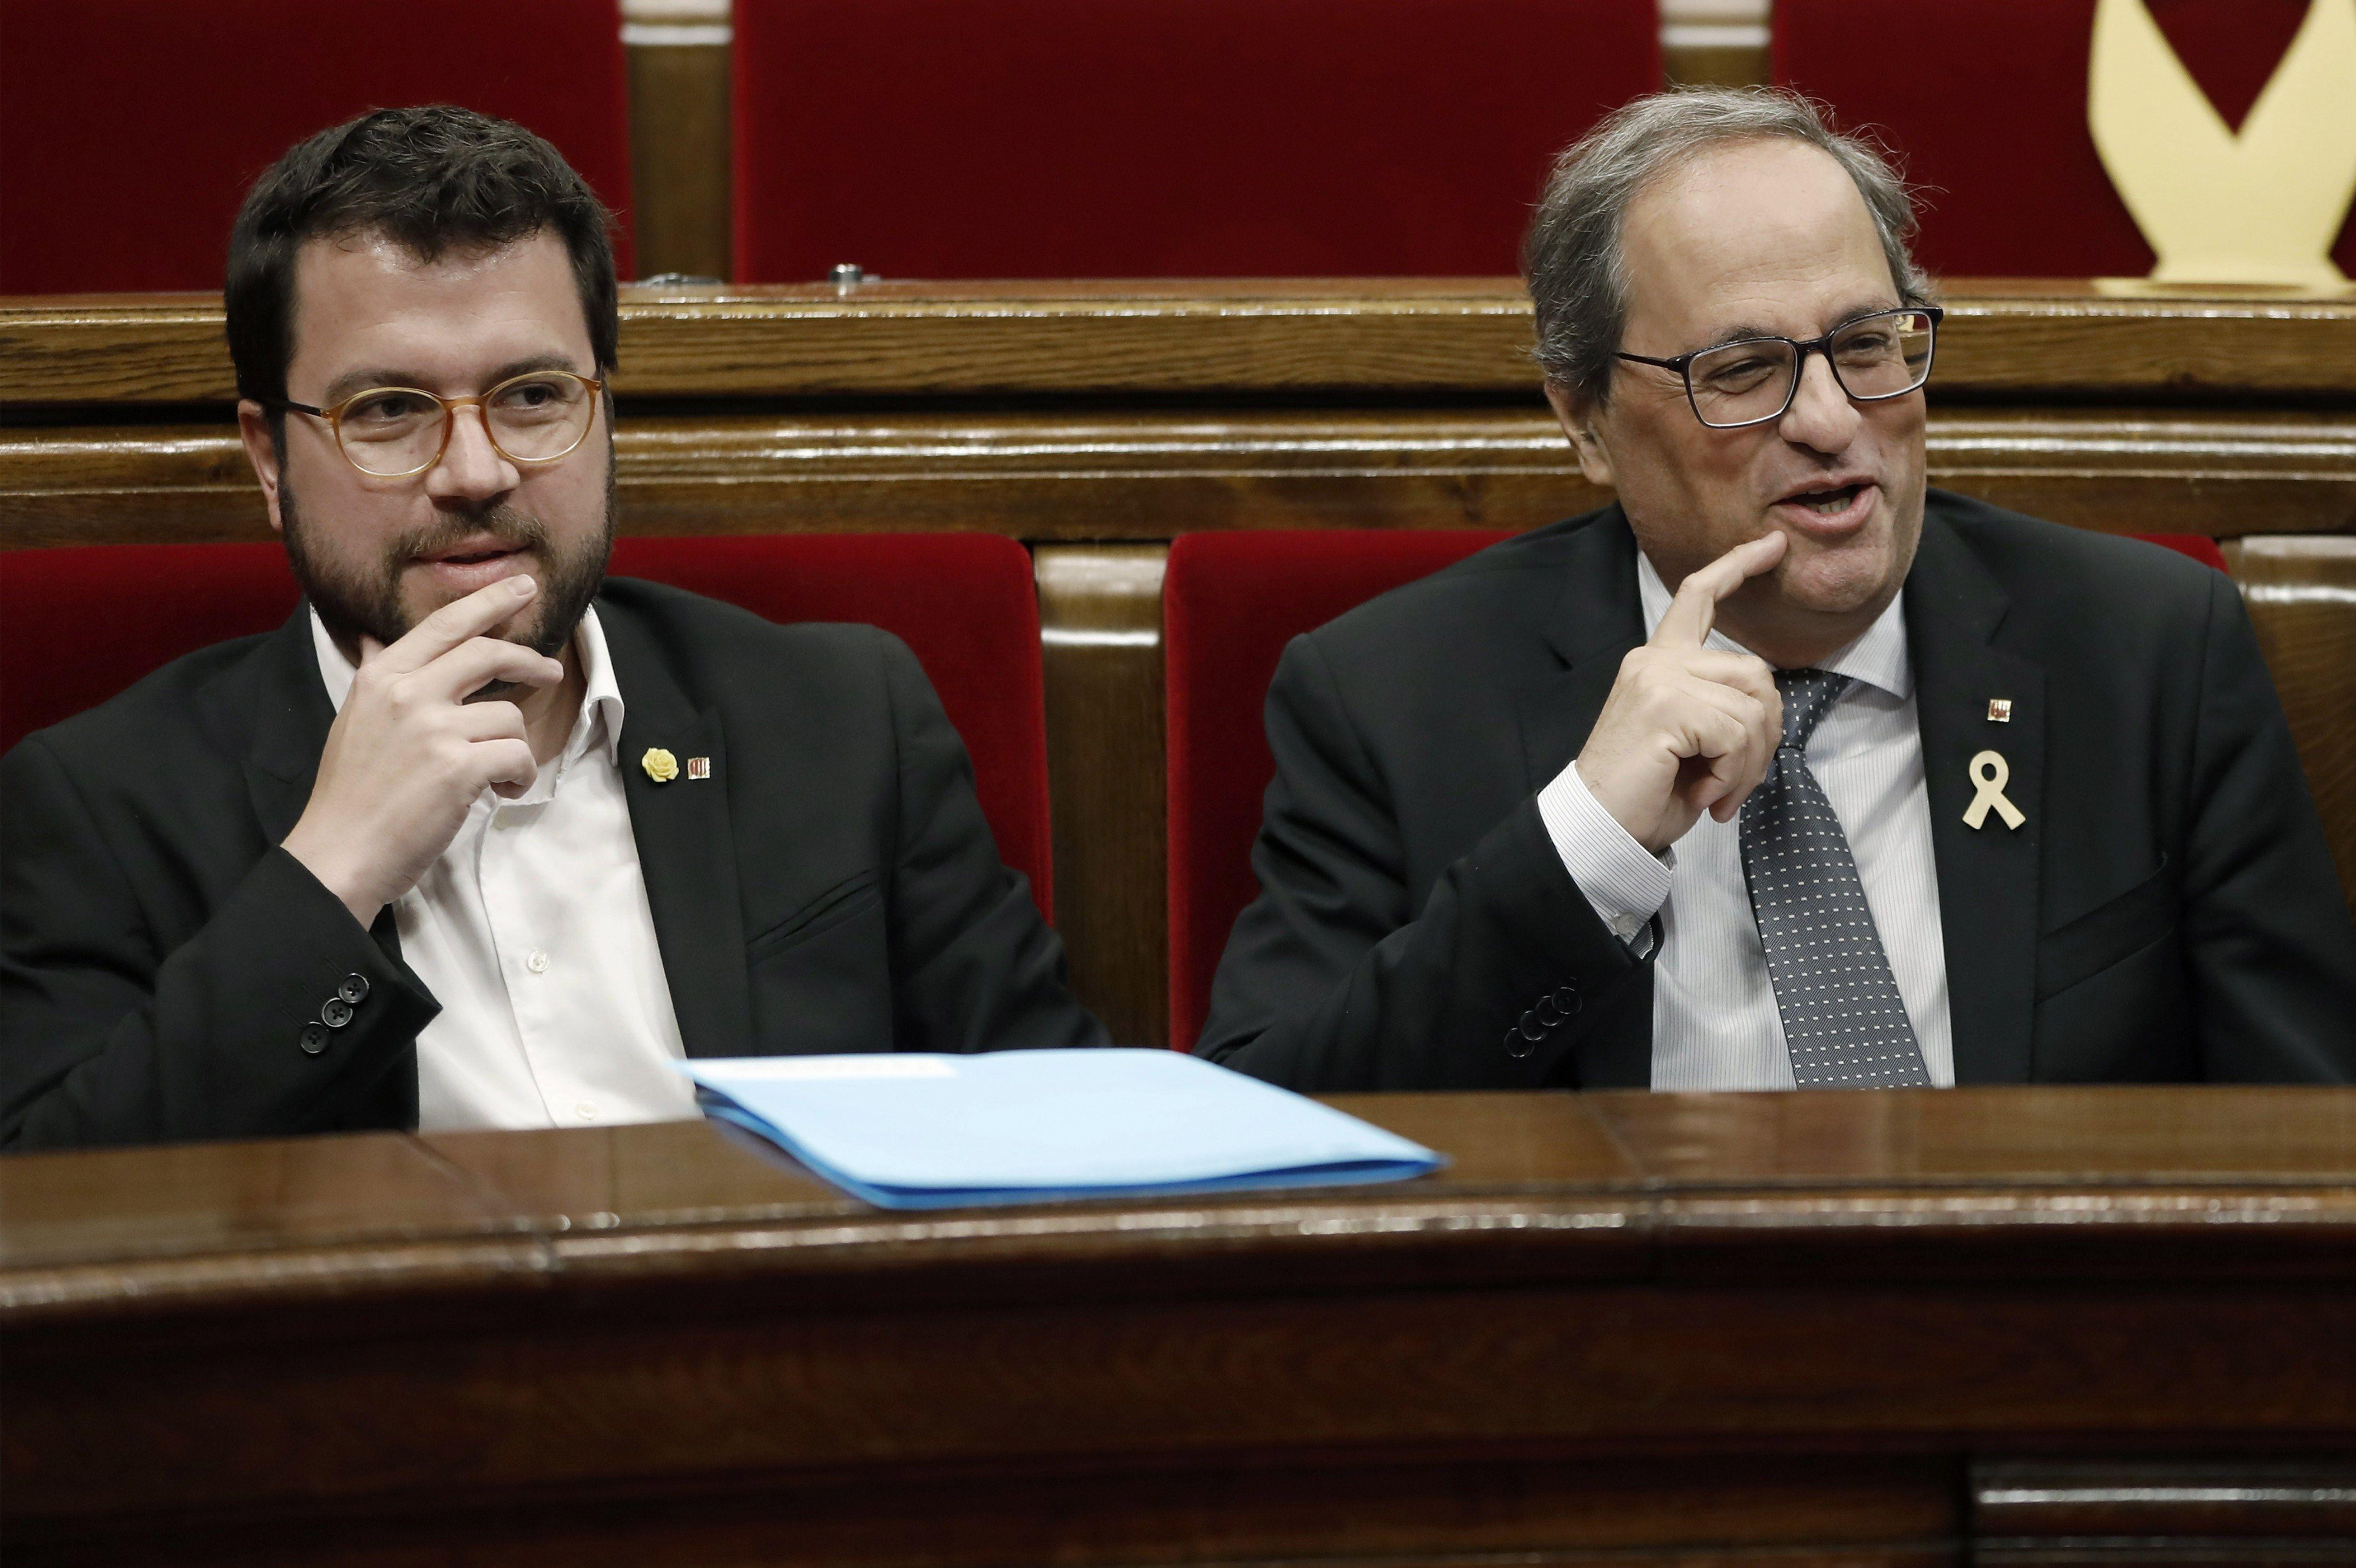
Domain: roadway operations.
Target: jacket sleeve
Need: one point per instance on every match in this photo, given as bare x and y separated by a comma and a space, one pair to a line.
1336, 978
105, 1038
975, 967
2267, 939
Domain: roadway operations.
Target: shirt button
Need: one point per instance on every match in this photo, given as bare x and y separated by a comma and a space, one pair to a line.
537, 962
586, 1111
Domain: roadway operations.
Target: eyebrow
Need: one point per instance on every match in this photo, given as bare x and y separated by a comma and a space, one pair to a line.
1742, 331
369, 377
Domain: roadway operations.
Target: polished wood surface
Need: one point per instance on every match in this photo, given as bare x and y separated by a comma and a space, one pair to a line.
1097, 421
1808, 1328
2005, 338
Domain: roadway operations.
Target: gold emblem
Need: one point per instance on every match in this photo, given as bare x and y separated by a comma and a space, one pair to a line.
1999, 710
699, 768
661, 765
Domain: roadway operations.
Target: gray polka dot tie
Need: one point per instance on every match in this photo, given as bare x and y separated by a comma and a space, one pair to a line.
1844, 1023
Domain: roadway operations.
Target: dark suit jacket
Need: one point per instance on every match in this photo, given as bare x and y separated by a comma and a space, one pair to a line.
2168, 911
832, 887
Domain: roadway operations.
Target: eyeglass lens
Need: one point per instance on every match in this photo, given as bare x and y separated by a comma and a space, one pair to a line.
1878, 356
535, 418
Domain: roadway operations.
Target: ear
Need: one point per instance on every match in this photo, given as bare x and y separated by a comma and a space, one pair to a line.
1580, 418
254, 429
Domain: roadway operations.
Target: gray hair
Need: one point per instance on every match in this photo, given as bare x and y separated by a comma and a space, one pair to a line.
1571, 257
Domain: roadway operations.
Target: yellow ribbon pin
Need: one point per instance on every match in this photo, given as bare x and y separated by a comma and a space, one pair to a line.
1990, 773
661, 765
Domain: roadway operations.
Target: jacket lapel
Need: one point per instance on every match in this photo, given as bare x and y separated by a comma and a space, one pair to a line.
1595, 621
1988, 874
285, 703
687, 850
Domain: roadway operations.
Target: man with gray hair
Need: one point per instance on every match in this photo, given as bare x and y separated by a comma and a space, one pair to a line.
1784, 770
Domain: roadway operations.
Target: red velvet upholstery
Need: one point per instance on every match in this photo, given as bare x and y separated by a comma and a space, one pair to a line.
1230, 603
1144, 138
1986, 100
132, 128
78, 626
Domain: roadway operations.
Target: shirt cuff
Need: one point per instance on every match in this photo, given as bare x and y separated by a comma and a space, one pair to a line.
1625, 884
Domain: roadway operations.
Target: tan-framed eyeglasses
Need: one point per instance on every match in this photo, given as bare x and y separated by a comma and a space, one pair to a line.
394, 431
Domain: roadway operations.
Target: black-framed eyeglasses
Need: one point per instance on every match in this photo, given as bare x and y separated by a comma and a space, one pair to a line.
391, 432
1753, 379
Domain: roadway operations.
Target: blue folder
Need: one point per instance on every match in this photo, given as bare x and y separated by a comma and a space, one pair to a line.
934, 1132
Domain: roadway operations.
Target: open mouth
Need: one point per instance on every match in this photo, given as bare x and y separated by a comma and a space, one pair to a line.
1827, 503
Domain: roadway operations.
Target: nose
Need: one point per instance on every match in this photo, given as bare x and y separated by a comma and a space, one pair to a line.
472, 471
1821, 417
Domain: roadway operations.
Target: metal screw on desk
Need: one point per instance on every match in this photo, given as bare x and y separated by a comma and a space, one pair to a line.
848, 276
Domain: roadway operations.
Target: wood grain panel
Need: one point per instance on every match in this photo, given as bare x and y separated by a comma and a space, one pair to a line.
2006, 340
1801, 1513
680, 158
1151, 474
2301, 592
2042, 1513
1101, 621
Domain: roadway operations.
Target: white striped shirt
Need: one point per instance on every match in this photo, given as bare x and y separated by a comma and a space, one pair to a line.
1714, 1020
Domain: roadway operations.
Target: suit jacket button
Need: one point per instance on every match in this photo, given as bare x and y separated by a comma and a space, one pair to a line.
337, 1013
1549, 1014
314, 1038
1566, 999
1515, 1044
1532, 1030
354, 989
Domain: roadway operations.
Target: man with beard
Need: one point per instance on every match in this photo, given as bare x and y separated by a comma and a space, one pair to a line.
478, 839
1780, 772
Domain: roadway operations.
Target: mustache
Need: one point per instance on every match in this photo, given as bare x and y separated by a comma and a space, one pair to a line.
511, 527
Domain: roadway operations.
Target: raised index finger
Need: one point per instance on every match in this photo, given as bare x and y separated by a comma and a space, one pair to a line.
1694, 609
458, 621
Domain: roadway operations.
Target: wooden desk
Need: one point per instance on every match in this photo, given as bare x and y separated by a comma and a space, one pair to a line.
1897, 1329
1097, 421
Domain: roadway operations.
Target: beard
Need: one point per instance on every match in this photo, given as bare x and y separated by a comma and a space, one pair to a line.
357, 598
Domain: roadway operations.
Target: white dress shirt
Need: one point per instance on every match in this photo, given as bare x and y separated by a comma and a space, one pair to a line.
1715, 1024
533, 932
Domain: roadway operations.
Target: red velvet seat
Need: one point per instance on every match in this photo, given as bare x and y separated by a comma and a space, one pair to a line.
78, 625
1162, 138
1986, 101
132, 128
1230, 602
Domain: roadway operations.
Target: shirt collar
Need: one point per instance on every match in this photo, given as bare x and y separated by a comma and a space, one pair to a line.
1877, 658
601, 696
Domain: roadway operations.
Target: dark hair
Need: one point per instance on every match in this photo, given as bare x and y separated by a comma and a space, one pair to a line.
432, 180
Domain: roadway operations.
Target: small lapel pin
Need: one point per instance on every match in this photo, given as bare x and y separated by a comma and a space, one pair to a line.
1999, 710
661, 765
699, 768
1990, 773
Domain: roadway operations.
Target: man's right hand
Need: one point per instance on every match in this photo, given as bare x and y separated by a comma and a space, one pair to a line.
1686, 729
408, 754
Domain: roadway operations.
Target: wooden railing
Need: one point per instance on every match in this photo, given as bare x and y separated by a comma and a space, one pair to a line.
1097, 421
1651, 1331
